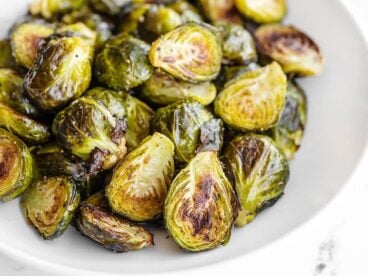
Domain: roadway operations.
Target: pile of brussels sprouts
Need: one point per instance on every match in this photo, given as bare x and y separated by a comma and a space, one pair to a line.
115, 115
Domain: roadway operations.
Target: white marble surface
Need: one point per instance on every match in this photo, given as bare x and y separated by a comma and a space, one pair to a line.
336, 248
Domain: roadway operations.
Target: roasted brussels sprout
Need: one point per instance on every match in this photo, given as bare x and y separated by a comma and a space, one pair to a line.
265, 11
29, 130
238, 46
132, 17
221, 11
139, 184
93, 128
123, 63
78, 29
163, 89
6, 57
113, 232
62, 72
139, 117
187, 11
261, 172
17, 169
191, 127
12, 93
289, 132
109, 7
254, 100
230, 72
99, 199
294, 50
51, 8
192, 52
201, 205
26, 39
49, 205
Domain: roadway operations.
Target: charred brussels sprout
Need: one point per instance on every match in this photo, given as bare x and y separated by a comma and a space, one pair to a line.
187, 11
238, 46
17, 169
112, 232
264, 11
254, 100
289, 132
192, 52
93, 128
163, 89
201, 206
62, 72
191, 127
294, 50
220, 11
78, 29
139, 184
49, 205
6, 57
123, 63
261, 172
26, 39
51, 8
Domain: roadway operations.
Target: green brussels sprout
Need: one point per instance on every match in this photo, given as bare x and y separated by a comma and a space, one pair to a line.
191, 127
220, 11
187, 11
111, 231
294, 50
93, 128
17, 167
289, 132
192, 52
109, 7
123, 63
49, 205
238, 46
12, 93
26, 40
139, 184
201, 205
29, 130
261, 172
132, 17
62, 72
6, 58
78, 29
265, 11
139, 117
99, 199
254, 100
51, 8
163, 89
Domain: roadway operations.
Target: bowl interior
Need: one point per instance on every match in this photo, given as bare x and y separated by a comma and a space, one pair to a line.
335, 139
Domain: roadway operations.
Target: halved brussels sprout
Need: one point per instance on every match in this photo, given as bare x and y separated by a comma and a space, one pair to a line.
294, 50
163, 89
190, 126
192, 52
238, 46
139, 184
78, 29
261, 172
123, 63
6, 57
201, 206
289, 132
139, 116
62, 72
187, 11
49, 205
254, 100
221, 11
51, 8
262, 11
109, 7
111, 231
132, 17
93, 128
26, 40
12, 93
17, 169
29, 130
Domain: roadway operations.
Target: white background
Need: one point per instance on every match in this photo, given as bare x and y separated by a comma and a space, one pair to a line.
339, 248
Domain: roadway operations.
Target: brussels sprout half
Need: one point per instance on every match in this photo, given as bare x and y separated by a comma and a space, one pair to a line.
17, 169
201, 205
294, 50
191, 127
262, 11
6, 58
220, 11
139, 184
51, 8
163, 89
261, 172
254, 100
192, 52
49, 205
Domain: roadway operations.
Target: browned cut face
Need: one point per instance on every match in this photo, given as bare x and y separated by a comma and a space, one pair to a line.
8, 157
250, 153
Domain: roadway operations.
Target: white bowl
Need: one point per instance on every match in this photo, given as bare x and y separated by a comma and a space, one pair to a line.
334, 144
